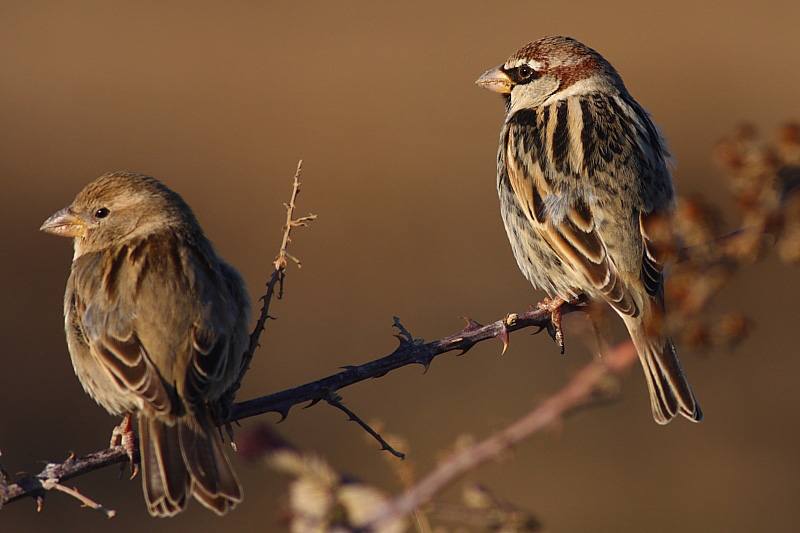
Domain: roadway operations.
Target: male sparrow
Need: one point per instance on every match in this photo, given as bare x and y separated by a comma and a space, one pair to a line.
587, 198
156, 325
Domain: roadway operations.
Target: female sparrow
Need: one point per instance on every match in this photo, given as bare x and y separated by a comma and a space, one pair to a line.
156, 325
587, 198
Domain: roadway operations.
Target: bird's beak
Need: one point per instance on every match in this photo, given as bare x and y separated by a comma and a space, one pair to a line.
496, 81
65, 223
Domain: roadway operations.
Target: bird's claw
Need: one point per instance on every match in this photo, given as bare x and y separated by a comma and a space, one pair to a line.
553, 305
123, 435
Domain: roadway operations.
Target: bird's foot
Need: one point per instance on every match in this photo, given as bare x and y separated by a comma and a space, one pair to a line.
123, 435
553, 305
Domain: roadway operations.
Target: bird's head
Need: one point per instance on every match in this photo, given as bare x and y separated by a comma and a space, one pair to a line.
118, 207
548, 70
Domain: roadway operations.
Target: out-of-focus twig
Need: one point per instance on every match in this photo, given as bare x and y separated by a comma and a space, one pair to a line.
576, 393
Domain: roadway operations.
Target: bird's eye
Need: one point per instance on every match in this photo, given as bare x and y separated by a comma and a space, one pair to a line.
101, 213
524, 72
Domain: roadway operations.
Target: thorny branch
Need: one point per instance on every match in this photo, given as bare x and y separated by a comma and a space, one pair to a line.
410, 351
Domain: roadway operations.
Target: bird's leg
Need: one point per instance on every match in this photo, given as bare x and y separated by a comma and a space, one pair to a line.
123, 435
554, 327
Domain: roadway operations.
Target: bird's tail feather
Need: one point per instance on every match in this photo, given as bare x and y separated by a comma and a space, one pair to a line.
183, 460
670, 393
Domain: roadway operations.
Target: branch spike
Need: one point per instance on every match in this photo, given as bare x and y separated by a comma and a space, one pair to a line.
471, 325
426, 364
465, 349
503, 336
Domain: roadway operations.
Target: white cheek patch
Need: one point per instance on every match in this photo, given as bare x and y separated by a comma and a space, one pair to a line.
533, 94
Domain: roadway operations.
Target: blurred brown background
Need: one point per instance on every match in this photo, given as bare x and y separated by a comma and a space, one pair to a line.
399, 149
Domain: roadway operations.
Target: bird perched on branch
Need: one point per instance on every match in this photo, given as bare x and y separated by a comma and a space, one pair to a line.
587, 198
156, 325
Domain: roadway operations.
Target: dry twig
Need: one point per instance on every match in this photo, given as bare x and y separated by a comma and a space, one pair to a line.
276, 279
51, 484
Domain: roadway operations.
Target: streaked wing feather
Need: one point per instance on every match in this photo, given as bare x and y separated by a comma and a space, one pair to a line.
208, 363
530, 192
574, 238
129, 365
661, 245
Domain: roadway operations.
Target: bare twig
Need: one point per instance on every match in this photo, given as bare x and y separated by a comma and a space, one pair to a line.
280, 261
575, 394
51, 484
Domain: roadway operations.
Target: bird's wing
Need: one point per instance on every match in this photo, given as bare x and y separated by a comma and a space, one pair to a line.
110, 333
661, 247
573, 236
158, 323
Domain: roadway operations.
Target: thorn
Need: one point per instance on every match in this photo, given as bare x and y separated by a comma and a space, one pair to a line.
403, 341
509, 320
471, 324
426, 363
465, 349
284, 413
503, 336
313, 402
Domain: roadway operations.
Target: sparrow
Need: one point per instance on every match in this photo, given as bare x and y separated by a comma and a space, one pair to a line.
156, 325
587, 198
